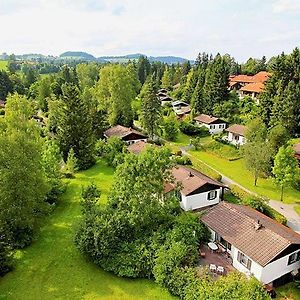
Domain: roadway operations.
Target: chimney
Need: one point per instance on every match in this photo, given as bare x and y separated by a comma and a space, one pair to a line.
191, 174
257, 225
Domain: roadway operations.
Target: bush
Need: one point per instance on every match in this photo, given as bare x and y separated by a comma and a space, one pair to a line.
183, 160
189, 128
258, 203
239, 192
2, 112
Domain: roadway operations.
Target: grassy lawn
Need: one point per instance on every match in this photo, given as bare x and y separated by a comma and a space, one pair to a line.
288, 292
52, 268
236, 171
3, 64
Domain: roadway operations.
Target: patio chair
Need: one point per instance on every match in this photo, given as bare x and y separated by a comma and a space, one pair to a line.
212, 267
220, 270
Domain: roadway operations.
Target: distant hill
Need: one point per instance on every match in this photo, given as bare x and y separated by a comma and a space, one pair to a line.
77, 55
125, 58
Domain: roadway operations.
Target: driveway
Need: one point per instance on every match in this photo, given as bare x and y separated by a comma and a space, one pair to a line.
285, 209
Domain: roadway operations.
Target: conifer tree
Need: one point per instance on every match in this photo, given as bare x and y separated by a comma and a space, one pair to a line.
74, 126
151, 109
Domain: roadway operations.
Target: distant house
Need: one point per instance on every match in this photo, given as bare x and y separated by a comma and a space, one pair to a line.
246, 85
2, 104
181, 108
236, 134
257, 245
196, 189
213, 124
162, 91
165, 100
297, 152
128, 135
139, 146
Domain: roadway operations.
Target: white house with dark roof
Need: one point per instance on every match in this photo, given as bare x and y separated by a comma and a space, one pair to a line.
128, 135
213, 124
236, 134
257, 244
196, 190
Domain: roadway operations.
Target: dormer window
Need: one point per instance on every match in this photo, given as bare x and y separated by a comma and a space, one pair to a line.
294, 258
212, 195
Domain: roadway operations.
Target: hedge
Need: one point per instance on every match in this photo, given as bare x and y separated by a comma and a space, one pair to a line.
258, 203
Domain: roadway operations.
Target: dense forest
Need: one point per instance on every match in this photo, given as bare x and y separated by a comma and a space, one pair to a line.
53, 123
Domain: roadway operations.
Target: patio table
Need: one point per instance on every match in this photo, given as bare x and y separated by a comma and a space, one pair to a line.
212, 246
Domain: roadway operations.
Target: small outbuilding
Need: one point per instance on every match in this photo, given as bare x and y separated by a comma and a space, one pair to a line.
236, 134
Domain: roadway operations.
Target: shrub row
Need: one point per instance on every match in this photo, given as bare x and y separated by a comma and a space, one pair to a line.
258, 203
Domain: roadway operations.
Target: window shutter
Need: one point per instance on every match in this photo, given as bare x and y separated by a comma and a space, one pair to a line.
249, 262
239, 256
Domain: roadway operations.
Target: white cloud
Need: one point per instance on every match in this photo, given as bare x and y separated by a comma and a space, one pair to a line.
282, 6
169, 27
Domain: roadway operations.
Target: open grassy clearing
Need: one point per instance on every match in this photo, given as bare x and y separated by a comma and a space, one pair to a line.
288, 292
3, 65
52, 268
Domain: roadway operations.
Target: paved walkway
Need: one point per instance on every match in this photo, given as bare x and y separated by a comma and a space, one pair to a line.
285, 209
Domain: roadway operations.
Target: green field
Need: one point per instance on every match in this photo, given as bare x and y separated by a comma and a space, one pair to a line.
52, 268
3, 64
237, 171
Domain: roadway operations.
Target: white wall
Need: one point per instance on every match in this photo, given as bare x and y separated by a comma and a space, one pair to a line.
199, 200
265, 274
278, 268
213, 128
237, 142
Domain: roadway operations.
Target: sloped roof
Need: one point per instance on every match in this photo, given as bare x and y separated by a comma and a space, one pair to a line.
242, 78
261, 76
237, 225
237, 129
206, 119
121, 131
256, 87
190, 180
139, 146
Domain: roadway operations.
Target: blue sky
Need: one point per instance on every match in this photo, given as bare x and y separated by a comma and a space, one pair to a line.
155, 27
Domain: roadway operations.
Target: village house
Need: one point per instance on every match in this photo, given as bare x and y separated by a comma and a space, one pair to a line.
181, 108
256, 244
196, 190
165, 100
213, 124
128, 135
246, 85
236, 134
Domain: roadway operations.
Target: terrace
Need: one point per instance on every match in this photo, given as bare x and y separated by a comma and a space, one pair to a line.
218, 258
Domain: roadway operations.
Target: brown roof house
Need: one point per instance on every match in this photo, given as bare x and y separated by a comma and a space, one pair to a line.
196, 190
257, 244
128, 135
236, 134
214, 124
139, 146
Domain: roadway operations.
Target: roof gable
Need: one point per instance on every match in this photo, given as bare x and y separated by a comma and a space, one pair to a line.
122, 132
237, 129
236, 224
206, 119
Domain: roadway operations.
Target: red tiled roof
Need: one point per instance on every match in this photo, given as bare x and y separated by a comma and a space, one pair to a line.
261, 76
242, 78
121, 131
237, 129
237, 225
206, 119
256, 87
190, 180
